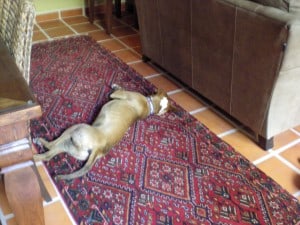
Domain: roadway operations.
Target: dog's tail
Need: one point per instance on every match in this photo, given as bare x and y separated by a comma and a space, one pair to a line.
87, 166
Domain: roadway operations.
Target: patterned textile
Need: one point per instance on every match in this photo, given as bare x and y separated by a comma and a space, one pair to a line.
16, 29
167, 170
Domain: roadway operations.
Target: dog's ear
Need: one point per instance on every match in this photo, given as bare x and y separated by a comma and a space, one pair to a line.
161, 92
171, 107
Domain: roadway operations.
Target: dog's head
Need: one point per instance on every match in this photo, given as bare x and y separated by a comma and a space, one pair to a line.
162, 103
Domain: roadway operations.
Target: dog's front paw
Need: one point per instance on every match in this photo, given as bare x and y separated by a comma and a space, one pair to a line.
116, 87
37, 141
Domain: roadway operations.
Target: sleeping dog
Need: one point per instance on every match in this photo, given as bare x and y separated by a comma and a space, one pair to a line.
91, 142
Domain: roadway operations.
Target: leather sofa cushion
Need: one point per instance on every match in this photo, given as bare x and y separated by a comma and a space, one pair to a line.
292, 6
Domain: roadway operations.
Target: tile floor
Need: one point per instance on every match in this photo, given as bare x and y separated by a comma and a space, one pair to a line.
281, 163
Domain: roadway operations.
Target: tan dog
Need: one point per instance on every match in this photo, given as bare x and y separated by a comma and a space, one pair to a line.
91, 142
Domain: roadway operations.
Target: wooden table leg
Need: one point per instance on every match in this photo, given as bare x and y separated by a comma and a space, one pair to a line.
108, 16
24, 196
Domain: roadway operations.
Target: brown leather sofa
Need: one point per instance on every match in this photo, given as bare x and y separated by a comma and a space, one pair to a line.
242, 55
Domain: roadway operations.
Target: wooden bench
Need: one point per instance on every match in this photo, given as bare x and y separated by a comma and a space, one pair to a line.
17, 107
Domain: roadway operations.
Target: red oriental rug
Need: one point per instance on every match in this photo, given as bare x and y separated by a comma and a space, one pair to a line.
166, 170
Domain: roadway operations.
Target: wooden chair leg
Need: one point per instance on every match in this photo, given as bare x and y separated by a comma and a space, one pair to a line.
91, 11
118, 8
108, 16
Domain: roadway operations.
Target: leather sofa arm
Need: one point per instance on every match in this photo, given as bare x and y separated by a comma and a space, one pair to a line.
283, 111
285, 101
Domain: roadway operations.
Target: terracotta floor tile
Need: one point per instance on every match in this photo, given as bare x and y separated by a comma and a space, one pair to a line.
35, 27
129, 19
138, 49
59, 32
297, 128
284, 138
282, 174
38, 36
51, 24
112, 45
132, 41
12, 222
76, 20
293, 155
123, 31
71, 12
84, 27
163, 83
128, 56
47, 16
55, 214
214, 122
99, 35
144, 69
114, 23
186, 101
244, 145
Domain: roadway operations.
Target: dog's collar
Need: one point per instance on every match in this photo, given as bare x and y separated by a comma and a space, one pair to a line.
150, 105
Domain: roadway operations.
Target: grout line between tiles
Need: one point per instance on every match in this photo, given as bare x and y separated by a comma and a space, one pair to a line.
43, 31
71, 28
231, 131
295, 131
99, 26
9, 216
121, 42
275, 153
2, 218
125, 36
175, 91
263, 158
287, 146
133, 62
287, 163
297, 194
127, 47
153, 75
199, 110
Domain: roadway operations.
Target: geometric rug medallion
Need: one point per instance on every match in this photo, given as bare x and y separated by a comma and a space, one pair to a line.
166, 170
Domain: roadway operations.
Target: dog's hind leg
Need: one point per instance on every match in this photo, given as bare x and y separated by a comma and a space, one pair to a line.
49, 154
87, 166
43, 142
65, 135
